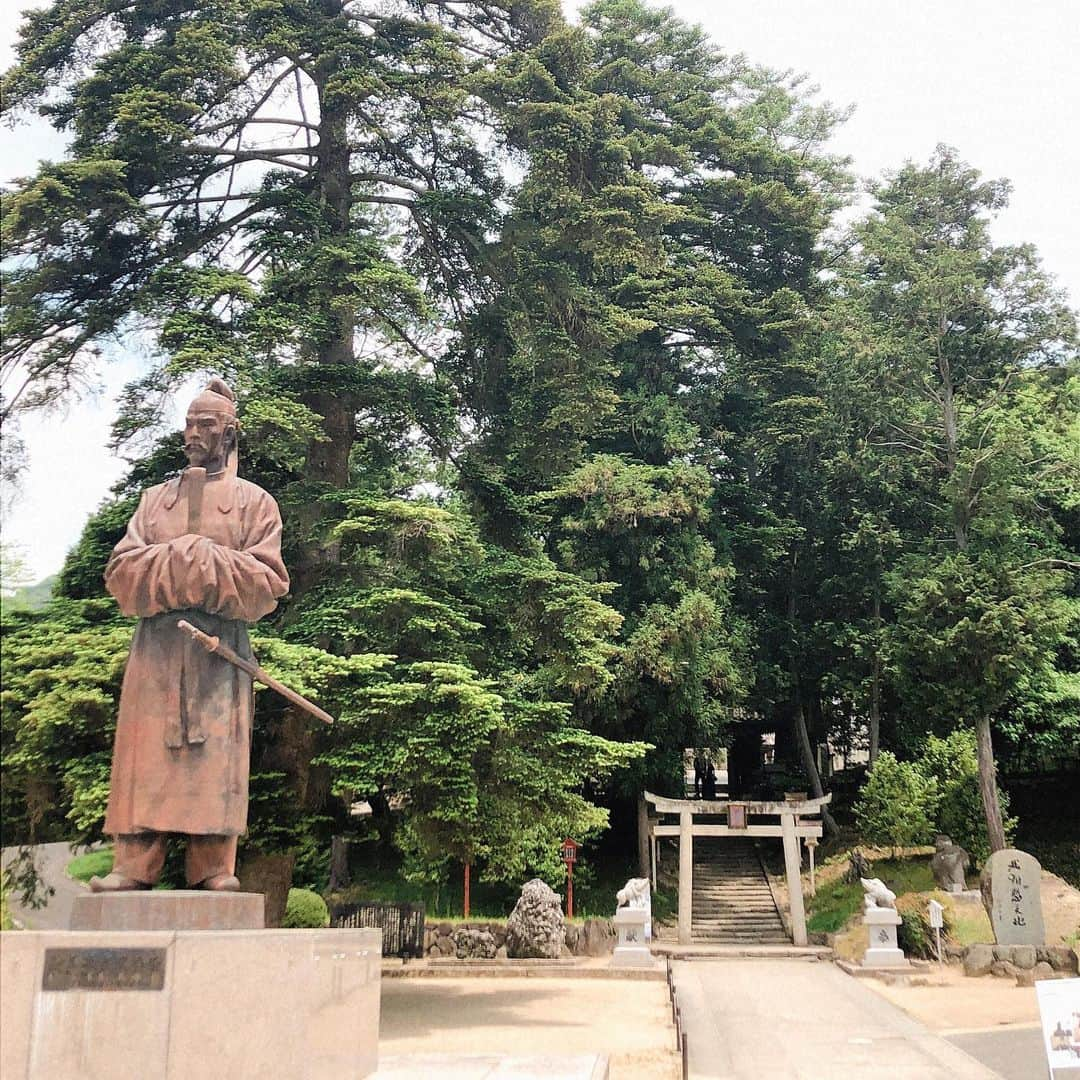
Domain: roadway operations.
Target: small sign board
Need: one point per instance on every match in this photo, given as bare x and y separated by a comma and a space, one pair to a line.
570, 850
936, 915
1059, 1012
737, 815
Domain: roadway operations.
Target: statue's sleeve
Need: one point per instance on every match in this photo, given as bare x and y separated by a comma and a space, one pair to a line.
194, 572
240, 583
140, 574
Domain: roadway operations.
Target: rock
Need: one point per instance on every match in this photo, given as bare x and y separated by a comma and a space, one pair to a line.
1023, 957
564, 951
535, 926
446, 946
1003, 969
597, 937
1042, 970
500, 935
1025, 978
978, 959
570, 936
500, 953
1060, 958
473, 944
1002, 952
444, 929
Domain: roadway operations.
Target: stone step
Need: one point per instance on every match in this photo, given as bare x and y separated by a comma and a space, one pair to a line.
733, 912
735, 935
734, 895
756, 919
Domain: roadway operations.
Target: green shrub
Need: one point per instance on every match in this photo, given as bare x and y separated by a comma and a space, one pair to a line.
305, 910
915, 935
953, 764
897, 804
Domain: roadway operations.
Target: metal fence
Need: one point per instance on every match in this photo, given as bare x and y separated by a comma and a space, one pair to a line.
402, 925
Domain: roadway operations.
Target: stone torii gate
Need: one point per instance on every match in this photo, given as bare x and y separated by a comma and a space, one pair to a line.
791, 828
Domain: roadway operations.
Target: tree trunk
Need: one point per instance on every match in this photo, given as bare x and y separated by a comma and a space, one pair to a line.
802, 737
875, 679
643, 837
988, 789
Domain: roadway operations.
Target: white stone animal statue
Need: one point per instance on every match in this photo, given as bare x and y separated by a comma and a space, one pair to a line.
877, 895
637, 894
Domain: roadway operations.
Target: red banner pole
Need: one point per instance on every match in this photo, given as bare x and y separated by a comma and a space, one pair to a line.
467, 868
570, 890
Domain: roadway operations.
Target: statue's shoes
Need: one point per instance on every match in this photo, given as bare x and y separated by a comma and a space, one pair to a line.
222, 883
115, 882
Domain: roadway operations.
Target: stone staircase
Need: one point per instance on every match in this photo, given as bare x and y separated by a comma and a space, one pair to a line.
732, 900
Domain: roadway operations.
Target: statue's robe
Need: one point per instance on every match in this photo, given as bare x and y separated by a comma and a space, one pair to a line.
183, 734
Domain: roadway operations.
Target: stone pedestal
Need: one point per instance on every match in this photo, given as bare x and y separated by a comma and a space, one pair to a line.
882, 951
240, 1004
631, 949
168, 909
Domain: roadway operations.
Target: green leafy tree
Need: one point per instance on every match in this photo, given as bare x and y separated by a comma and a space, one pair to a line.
952, 762
960, 338
897, 804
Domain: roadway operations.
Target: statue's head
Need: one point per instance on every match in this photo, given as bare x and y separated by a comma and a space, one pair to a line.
210, 429
941, 842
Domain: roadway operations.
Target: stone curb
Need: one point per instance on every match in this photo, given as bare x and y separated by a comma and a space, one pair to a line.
741, 952
518, 969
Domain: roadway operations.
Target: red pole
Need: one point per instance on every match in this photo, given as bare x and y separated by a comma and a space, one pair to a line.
467, 867
570, 890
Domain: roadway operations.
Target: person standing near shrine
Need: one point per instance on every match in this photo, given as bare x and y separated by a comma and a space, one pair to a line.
204, 547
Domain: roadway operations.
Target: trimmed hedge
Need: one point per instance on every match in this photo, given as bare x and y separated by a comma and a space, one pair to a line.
305, 910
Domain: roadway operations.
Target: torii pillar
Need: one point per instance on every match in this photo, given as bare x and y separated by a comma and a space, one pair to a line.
686, 876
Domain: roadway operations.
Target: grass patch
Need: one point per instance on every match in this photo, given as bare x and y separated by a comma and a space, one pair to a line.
93, 864
838, 900
970, 924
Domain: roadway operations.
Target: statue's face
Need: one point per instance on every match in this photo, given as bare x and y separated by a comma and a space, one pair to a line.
208, 438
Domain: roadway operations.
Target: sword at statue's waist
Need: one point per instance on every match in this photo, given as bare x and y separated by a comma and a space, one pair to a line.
216, 645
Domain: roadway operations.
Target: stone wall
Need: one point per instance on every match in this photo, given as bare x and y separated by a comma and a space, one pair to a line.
473, 940
1025, 963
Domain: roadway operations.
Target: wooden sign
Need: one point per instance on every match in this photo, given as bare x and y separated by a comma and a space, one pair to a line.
737, 815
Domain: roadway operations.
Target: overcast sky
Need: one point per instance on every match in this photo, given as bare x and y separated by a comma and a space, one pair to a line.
997, 79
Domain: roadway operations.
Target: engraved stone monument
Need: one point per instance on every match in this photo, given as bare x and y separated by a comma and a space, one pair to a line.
1010, 883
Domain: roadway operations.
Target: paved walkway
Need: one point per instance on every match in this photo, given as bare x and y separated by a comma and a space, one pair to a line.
51, 861
804, 1020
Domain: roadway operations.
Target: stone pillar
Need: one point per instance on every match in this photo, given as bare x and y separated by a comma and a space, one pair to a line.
793, 868
686, 875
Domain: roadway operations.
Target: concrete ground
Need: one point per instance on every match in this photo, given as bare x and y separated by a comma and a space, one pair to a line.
993, 1020
51, 861
804, 1020
628, 1020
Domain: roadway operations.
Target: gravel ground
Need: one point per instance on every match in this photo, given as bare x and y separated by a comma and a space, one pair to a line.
628, 1020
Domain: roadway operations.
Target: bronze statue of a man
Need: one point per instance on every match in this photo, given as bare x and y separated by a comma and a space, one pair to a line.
205, 548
